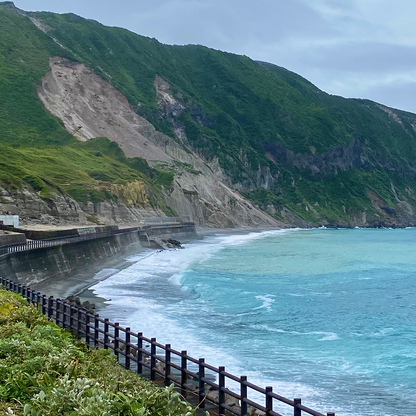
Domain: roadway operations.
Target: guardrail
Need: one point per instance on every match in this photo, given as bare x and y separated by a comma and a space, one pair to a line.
161, 362
161, 220
35, 244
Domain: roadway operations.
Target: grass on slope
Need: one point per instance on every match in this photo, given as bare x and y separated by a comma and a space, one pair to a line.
84, 171
44, 372
24, 58
244, 104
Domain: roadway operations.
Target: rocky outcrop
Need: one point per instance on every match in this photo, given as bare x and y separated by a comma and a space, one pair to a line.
337, 158
62, 209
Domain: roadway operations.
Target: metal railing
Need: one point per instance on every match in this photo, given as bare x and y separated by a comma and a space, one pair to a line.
161, 362
161, 220
36, 244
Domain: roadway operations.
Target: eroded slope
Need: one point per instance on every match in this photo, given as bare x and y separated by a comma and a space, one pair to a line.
89, 107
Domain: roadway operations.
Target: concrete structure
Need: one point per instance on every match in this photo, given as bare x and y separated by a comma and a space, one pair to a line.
8, 238
12, 220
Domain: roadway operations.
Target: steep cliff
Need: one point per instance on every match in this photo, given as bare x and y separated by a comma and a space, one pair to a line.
91, 107
211, 136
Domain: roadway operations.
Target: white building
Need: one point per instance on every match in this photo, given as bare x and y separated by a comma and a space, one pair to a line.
12, 220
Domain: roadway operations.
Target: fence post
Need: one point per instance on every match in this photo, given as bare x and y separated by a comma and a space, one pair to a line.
152, 359
116, 339
184, 375
28, 294
87, 329
127, 358
139, 352
44, 303
296, 411
106, 333
71, 316
243, 394
57, 311
50, 305
167, 364
269, 400
79, 321
201, 375
63, 314
221, 392
96, 329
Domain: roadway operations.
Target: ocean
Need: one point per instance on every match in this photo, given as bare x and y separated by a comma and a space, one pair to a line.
325, 315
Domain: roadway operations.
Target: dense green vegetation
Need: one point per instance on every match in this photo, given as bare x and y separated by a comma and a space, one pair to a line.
85, 171
248, 103
45, 372
35, 148
24, 55
234, 108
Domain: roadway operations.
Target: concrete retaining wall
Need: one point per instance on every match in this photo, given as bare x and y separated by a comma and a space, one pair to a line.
184, 231
34, 266
12, 238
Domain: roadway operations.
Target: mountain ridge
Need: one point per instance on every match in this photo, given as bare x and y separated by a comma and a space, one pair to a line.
301, 155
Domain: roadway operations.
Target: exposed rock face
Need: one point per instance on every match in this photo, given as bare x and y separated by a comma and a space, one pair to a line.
90, 107
336, 159
64, 210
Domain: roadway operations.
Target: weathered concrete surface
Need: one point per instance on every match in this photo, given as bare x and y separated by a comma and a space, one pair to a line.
31, 268
68, 269
8, 238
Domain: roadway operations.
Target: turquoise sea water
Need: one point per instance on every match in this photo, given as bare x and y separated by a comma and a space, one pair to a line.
326, 315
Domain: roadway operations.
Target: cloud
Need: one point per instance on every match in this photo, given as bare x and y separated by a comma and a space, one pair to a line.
364, 57
400, 95
232, 25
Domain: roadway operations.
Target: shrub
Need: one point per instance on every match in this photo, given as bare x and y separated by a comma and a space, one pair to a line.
44, 371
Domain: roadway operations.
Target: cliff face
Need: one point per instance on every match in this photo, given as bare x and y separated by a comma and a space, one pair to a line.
213, 137
91, 107
61, 209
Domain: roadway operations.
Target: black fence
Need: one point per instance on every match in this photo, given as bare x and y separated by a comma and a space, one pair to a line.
35, 244
194, 377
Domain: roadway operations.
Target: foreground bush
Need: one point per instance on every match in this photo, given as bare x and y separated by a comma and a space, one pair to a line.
44, 372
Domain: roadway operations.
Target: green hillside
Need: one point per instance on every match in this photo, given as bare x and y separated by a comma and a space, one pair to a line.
252, 116
35, 148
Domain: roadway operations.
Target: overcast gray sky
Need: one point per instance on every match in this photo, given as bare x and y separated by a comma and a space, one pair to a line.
354, 48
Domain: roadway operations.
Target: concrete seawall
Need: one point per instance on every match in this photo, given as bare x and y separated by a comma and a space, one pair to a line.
32, 267
35, 268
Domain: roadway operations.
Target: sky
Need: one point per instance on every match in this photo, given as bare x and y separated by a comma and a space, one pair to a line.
353, 48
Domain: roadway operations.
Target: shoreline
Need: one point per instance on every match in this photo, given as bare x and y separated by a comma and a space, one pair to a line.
81, 284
